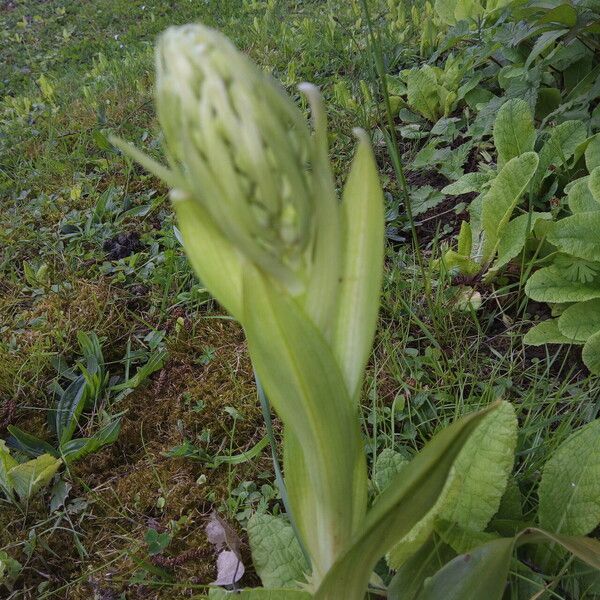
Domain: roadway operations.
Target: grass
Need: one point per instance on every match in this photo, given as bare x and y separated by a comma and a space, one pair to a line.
88, 244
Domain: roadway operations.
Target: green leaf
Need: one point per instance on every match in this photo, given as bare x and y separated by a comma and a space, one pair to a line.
549, 285
580, 198
469, 182
578, 235
591, 354
515, 235
546, 332
543, 42
408, 499
276, 553
569, 491
7, 462
564, 14
78, 448
482, 573
479, 574
514, 133
68, 409
480, 475
592, 153
423, 93
29, 444
306, 387
363, 234
481, 471
594, 183
558, 148
453, 261
387, 465
30, 477
459, 538
502, 198
210, 255
580, 321
410, 577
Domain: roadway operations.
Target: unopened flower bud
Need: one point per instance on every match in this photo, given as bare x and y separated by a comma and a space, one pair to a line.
240, 147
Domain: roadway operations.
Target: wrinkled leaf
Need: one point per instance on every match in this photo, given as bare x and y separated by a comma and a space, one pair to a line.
580, 321
481, 471
387, 465
407, 500
549, 285
569, 490
514, 133
591, 353
276, 553
30, 477
546, 332
578, 235
502, 198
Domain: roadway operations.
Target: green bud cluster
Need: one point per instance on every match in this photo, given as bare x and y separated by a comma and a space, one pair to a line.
240, 148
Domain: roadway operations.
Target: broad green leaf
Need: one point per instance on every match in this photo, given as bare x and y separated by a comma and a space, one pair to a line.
210, 255
592, 153
407, 500
543, 42
479, 574
549, 285
591, 353
7, 462
481, 471
514, 133
410, 577
594, 183
363, 232
276, 553
258, 594
423, 93
445, 10
30, 444
469, 182
580, 321
78, 448
546, 332
565, 14
580, 198
482, 573
569, 490
30, 477
298, 372
68, 409
387, 465
558, 148
515, 235
578, 235
502, 198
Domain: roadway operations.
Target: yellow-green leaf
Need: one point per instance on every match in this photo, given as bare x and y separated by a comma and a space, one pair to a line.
30, 477
580, 321
503, 196
363, 233
514, 133
569, 492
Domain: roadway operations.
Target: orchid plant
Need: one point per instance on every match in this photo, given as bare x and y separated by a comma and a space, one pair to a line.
252, 188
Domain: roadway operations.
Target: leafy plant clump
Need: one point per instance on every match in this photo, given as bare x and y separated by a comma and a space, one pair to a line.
308, 271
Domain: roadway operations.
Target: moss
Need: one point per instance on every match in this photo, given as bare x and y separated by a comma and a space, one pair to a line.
131, 485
